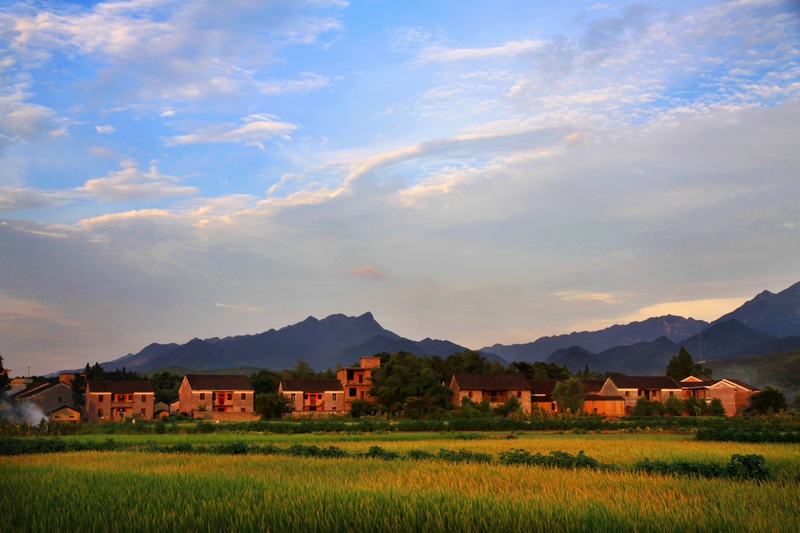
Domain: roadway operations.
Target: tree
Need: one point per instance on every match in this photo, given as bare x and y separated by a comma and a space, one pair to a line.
79, 392
5, 382
404, 376
359, 408
510, 407
682, 366
715, 408
541, 370
265, 381
769, 399
272, 405
569, 395
166, 386
674, 406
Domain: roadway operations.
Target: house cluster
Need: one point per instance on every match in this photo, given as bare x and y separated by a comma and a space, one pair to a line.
616, 396
212, 397
231, 397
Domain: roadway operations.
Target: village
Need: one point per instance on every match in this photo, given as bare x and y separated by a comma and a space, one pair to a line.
231, 397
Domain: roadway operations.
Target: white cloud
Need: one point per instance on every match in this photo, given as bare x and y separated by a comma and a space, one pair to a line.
256, 130
22, 121
20, 199
441, 54
105, 129
308, 82
130, 183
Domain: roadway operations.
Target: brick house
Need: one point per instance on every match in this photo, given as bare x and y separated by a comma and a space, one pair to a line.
496, 388
595, 402
357, 380
218, 397
47, 396
631, 388
118, 400
734, 395
314, 396
65, 413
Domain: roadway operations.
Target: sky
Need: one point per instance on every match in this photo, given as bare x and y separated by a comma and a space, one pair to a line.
481, 172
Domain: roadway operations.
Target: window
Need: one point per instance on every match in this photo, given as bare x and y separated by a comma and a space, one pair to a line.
334, 398
244, 396
352, 392
243, 407
202, 395
144, 411
230, 396
130, 397
361, 378
319, 396
293, 397
333, 408
100, 398
519, 394
627, 393
671, 393
100, 411
144, 398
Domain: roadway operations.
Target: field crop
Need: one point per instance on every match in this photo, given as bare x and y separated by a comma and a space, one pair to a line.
139, 491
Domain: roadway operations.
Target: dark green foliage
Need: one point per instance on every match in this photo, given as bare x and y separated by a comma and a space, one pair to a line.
469, 362
360, 408
740, 467
5, 381
79, 392
715, 408
753, 434
463, 456
674, 406
682, 366
569, 395
768, 400
541, 370
166, 386
420, 455
272, 405
554, 459
404, 377
376, 452
265, 381
510, 407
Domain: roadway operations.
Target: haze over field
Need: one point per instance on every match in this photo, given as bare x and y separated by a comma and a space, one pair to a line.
478, 172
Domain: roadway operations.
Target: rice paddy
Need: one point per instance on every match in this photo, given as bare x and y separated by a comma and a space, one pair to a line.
138, 491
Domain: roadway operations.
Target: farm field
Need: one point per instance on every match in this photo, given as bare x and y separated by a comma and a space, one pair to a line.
145, 491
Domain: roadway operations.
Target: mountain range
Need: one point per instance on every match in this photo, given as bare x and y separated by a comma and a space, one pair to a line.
768, 323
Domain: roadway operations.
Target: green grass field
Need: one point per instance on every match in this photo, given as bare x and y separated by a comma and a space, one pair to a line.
139, 491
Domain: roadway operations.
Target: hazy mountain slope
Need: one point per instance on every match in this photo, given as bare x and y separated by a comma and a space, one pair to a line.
775, 314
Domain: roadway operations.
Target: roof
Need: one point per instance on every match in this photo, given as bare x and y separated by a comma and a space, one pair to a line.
692, 385
218, 382
119, 387
513, 381
542, 386
311, 385
740, 383
64, 407
644, 382
592, 385
38, 389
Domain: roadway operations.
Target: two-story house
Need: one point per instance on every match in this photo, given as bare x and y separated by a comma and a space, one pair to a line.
734, 395
118, 400
495, 388
314, 396
219, 397
631, 388
357, 380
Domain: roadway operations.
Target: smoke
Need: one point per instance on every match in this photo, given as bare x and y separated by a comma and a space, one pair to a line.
30, 414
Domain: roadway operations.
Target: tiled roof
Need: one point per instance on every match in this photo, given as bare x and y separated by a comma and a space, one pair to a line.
741, 384
491, 381
542, 386
692, 385
592, 385
214, 382
38, 389
119, 387
644, 382
311, 385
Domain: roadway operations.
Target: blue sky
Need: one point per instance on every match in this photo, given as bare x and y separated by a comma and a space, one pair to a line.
480, 172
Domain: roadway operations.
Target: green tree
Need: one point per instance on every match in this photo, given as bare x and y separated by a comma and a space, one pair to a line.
769, 399
510, 407
541, 370
403, 376
166, 386
682, 366
674, 406
301, 370
79, 392
5, 381
715, 408
569, 394
359, 408
265, 381
272, 405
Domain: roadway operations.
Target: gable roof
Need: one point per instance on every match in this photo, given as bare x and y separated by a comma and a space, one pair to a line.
542, 386
644, 382
119, 387
38, 389
219, 382
740, 383
311, 385
513, 381
67, 407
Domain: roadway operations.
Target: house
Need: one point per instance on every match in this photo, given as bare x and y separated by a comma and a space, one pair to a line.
631, 388
118, 400
495, 388
160, 410
357, 380
65, 413
595, 402
734, 395
217, 397
46, 396
309, 396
